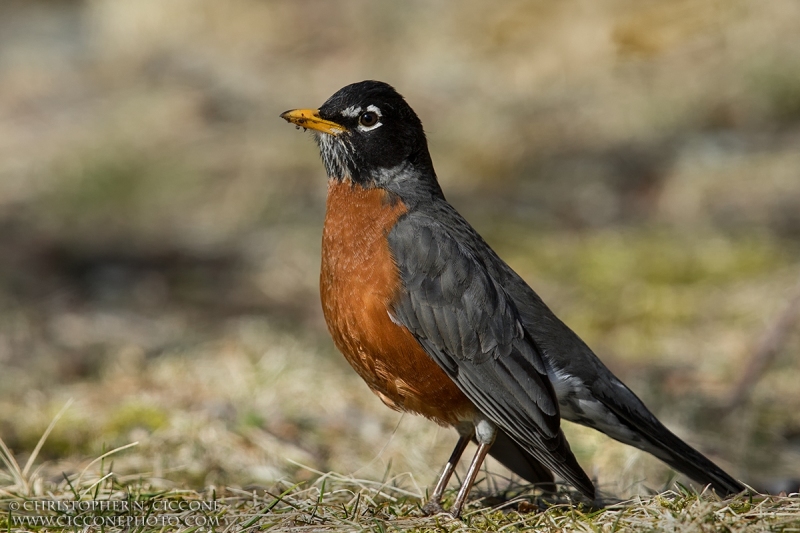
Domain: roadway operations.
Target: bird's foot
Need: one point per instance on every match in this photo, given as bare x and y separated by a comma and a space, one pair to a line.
433, 507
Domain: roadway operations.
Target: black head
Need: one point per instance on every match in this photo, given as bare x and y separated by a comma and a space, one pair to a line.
367, 133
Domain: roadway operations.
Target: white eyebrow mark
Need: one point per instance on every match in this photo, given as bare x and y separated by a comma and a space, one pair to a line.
373, 109
352, 111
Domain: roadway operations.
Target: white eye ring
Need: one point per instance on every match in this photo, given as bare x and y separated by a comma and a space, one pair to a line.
368, 119
372, 111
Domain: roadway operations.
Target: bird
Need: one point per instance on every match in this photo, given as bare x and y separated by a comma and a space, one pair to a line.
437, 324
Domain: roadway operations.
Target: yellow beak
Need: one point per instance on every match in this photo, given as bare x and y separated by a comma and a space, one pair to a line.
309, 118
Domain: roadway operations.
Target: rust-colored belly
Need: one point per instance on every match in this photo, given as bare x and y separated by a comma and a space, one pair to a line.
358, 281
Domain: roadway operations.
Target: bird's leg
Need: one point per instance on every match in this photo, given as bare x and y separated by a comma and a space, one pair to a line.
434, 504
485, 432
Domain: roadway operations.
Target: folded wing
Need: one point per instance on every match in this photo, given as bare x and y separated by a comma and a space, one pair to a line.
467, 323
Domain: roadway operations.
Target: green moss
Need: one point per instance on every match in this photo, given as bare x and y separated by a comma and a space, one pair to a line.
608, 259
252, 419
135, 415
72, 435
777, 86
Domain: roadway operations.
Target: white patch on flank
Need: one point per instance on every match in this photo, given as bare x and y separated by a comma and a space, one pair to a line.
565, 385
577, 404
485, 430
352, 111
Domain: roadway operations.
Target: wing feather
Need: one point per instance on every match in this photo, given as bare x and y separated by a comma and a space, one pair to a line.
467, 323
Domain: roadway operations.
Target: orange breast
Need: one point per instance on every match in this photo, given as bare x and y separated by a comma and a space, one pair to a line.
358, 281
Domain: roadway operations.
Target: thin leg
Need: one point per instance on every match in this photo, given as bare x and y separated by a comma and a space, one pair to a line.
472, 473
434, 504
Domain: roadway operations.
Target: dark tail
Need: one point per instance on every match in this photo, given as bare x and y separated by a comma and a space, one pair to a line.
515, 458
555, 455
683, 458
653, 437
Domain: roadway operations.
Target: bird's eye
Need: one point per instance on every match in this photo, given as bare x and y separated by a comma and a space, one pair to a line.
370, 118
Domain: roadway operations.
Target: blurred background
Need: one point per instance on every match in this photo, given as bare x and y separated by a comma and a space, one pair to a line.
637, 162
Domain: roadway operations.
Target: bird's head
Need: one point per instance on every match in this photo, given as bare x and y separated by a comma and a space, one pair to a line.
367, 133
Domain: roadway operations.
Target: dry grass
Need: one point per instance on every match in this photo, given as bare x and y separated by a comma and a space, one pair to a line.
99, 499
242, 430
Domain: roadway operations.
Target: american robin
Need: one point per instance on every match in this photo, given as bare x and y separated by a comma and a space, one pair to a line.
438, 325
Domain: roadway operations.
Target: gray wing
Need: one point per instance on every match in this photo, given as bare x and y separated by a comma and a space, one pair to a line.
467, 323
